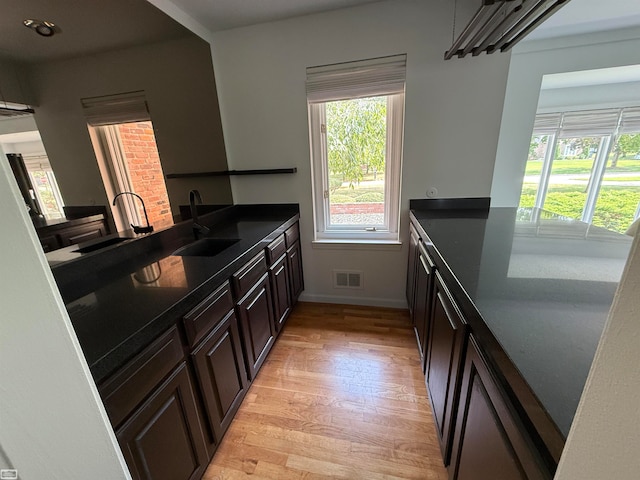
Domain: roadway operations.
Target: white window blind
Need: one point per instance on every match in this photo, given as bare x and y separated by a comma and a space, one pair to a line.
36, 162
364, 78
630, 122
112, 109
547, 123
589, 123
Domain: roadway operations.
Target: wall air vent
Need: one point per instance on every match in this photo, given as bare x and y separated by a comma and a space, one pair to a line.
347, 279
500, 24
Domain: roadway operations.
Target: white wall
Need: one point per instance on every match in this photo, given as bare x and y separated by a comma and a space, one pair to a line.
452, 119
177, 77
53, 424
605, 439
529, 63
15, 86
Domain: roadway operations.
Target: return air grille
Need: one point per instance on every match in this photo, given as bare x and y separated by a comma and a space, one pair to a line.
347, 279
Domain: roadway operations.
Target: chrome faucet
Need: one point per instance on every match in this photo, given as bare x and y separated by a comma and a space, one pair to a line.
137, 228
194, 196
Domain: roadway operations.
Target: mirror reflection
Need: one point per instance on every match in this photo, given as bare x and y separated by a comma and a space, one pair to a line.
114, 110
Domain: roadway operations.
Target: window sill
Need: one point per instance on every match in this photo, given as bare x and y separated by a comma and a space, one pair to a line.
387, 245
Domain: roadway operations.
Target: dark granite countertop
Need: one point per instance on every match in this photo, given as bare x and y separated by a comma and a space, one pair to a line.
542, 284
122, 298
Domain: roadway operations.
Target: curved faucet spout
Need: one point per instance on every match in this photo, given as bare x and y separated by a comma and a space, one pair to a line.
196, 199
136, 228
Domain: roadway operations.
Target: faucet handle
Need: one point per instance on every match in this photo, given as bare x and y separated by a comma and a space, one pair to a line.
139, 229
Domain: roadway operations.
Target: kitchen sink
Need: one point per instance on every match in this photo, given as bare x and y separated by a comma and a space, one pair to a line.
206, 247
100, 245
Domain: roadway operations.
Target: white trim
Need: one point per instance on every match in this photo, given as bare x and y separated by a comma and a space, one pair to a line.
393, 170
363, 301
381, 245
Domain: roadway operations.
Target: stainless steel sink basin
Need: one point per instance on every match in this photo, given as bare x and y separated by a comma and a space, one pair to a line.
206, 247
100, 245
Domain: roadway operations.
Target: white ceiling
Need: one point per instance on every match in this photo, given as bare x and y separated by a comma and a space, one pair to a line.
218, 15
586, 16
90, 26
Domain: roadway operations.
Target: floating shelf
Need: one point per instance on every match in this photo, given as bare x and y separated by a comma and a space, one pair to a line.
224, 173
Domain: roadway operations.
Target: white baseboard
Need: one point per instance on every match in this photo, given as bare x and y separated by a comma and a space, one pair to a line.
364, 301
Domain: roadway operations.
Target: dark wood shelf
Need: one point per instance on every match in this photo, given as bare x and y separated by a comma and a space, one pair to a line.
222, 173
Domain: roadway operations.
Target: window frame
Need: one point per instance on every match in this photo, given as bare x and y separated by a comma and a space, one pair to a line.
324, 231
554, 126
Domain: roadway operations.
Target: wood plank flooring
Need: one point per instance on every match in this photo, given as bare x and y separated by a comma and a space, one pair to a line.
341, 395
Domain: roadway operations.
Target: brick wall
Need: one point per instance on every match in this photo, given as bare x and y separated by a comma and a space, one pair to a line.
145, 170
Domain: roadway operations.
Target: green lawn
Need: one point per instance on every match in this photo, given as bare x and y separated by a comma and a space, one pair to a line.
534, 167
358, 192
615, 208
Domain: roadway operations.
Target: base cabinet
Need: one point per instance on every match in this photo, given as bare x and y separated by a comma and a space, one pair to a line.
445, 354
256, 317
412, 270
222, 377
423, 284
279, 276
488, 442
162, 440
170, 412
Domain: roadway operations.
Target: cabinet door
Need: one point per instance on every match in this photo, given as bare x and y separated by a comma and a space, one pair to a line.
412, 267
489, 443
49, 243
279, 275
222, 375
422, 301
296, 281
162, 440
82, 233
446, 344
256, 318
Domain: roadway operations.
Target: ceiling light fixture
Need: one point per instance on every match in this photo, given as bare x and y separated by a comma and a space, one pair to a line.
41, 27
500, 24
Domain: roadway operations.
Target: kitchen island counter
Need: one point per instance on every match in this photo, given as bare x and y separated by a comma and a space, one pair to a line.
536, 289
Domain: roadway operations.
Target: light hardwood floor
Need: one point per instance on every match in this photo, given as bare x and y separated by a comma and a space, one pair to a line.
341, 395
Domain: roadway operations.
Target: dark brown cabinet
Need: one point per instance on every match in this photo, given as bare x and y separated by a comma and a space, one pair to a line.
412, 270
170, 414
71, 232
222, 376
279, 276
162, 440
212, 329
82, 233
153, 407
489, 443
445, 354
294, 258
422, 300
255, 311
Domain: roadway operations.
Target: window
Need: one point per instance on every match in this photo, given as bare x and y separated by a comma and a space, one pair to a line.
586, 165
356, 114
45, 186
124, 141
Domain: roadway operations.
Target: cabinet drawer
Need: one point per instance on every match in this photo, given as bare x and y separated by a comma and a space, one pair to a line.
292, 234
245, 278
133, 382
276, 249
206, 315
